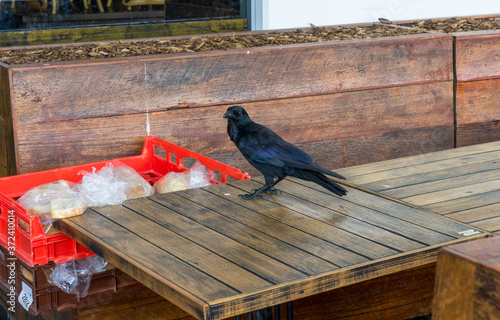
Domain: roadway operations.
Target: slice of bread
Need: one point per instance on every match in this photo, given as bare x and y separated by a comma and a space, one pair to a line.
66, 207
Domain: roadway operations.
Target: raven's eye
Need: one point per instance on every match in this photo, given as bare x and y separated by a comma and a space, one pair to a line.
236, 113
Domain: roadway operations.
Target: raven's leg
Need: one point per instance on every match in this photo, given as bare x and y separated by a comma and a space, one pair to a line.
268, 187
256, 192
271, 185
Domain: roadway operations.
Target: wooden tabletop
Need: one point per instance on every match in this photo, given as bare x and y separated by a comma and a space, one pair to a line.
216, 255
462, 183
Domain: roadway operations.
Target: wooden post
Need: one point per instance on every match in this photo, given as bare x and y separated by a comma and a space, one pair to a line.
468, 281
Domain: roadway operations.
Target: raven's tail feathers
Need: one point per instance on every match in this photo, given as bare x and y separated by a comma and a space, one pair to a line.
334, 174
328, 172
322, 180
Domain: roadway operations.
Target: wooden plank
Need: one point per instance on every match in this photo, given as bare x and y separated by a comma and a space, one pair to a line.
477, 101
3, 141
105, 88
478, 133
3, 171
226, 271
475, 214
250, 236
454, 193
418, 225
441, 179
163, 272
75, 141
399, 296
415, 220
403, 107
284, 223
411, 169
477, 55
337, 220
264, 266
490, 225
405, 162
257, 225
456, 205
8, 123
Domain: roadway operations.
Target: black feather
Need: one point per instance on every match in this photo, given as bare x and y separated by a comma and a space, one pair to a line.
274, 157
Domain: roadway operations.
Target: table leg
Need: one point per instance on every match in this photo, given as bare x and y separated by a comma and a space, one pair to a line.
267, 314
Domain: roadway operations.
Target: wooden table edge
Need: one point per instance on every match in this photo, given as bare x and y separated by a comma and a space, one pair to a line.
282, 293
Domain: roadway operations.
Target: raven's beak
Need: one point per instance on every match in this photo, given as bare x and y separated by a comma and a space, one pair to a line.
226, 115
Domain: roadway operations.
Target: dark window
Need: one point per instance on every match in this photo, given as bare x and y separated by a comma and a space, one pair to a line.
57, 14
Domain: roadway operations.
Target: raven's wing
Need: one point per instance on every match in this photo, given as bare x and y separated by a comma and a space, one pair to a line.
265, 146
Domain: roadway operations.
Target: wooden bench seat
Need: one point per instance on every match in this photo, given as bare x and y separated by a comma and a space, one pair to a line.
462, 184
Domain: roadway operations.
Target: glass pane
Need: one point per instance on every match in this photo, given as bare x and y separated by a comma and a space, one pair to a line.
52, 14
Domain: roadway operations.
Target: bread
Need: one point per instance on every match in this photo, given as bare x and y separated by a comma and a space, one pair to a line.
66, 207
138, 190
42, 211
137, 186
37, 202
173, 181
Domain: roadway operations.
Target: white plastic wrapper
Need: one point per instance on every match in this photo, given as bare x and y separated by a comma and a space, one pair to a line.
112, 185
197, 176
52, 201
73, 277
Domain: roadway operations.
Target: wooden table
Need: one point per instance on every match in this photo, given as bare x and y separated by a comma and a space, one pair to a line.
462, 184
216, 255
468, 281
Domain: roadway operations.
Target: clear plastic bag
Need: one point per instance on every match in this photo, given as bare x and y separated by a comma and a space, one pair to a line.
73, 277
200, 176
112, 185
197, 176
52, 201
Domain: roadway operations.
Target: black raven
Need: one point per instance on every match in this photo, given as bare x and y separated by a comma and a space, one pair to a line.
273, 156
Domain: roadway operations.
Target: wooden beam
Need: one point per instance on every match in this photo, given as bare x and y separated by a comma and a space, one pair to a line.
468, 281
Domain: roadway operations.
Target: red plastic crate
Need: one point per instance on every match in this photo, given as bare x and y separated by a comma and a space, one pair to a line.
35, 247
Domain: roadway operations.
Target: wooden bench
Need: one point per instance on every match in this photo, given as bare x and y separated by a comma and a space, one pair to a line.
462, 184
217, 256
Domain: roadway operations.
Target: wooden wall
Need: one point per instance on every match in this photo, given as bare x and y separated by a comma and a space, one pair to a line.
478, 87
345, 102
7, 149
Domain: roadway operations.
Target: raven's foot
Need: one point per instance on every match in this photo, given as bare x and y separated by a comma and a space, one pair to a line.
277, 191
249, 196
